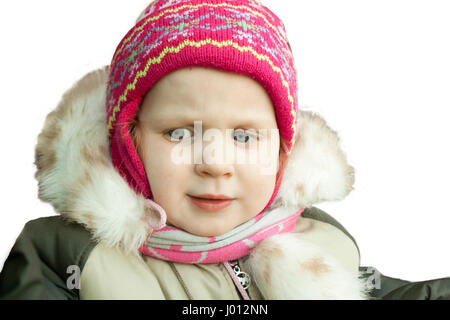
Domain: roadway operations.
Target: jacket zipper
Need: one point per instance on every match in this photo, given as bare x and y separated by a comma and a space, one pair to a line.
240, 278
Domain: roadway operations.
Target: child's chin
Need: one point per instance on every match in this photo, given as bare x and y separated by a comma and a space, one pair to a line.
211, 232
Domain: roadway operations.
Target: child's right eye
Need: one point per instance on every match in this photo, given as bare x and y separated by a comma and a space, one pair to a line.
178, 133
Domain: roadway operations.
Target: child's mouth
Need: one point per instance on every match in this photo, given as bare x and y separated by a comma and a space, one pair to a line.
211, 205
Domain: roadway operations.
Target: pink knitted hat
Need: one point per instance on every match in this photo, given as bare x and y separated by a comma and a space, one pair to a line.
240, 36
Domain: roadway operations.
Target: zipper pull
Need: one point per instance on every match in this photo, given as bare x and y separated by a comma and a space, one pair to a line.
243, 277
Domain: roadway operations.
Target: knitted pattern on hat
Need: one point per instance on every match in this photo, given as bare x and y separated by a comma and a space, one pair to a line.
240, 36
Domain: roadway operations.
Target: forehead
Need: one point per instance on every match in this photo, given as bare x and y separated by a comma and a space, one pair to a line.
210, 95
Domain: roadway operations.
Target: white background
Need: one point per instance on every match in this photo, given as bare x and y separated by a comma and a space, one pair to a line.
377, 71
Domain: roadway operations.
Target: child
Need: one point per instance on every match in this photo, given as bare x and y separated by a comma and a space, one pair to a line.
136, 223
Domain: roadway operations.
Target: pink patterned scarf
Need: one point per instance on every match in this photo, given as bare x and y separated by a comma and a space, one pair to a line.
173, 244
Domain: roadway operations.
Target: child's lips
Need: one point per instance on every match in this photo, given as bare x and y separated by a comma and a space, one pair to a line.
211, 205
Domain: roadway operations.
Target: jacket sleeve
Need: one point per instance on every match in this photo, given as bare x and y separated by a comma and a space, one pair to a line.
37, 266
387, 288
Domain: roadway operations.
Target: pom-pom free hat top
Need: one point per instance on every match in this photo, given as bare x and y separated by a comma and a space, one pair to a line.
240, 36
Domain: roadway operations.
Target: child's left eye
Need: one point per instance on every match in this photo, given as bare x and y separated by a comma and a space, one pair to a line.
243, 136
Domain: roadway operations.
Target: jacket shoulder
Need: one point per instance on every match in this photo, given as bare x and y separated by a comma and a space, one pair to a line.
320, 215
38, 265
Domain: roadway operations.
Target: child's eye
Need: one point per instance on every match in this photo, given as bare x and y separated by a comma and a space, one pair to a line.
179, 133
243, 136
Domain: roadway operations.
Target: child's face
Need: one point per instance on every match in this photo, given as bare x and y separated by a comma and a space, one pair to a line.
221, 100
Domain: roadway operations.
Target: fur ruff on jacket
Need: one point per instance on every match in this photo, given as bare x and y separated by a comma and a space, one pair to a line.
76, 176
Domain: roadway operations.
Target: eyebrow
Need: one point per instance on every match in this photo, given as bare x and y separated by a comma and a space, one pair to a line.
188, 120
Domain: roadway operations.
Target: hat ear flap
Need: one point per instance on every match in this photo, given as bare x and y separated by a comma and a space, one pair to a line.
317, 169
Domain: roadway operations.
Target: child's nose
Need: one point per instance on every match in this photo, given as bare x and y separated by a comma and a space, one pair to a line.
214, 169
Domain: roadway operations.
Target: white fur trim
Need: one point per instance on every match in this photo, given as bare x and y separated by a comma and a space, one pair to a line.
75, 170
285, 267
317, 168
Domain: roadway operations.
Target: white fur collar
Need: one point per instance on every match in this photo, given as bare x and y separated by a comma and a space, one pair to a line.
76, 175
